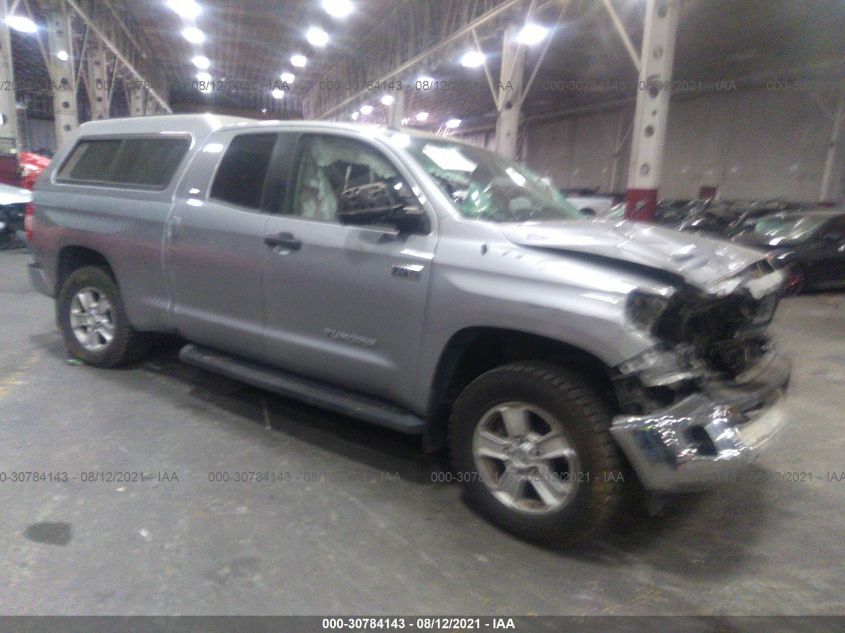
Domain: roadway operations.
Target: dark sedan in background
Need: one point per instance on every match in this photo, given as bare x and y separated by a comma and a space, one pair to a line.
809, 245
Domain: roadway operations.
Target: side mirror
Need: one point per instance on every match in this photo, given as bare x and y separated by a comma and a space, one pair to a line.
378, 204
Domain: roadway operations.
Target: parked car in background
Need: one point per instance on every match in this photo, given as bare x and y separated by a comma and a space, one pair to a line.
588, 202
425, 285
13, 201
809, 245
727, 218
32, 165
670, 213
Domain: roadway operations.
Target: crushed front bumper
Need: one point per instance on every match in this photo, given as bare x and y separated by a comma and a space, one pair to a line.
707, 437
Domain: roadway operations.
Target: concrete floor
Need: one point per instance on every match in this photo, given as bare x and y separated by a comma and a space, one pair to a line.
373, 534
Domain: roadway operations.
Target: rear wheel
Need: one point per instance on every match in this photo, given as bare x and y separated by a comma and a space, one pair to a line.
93, 321
531, 442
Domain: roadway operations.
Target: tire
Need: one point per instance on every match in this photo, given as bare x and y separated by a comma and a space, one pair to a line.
125, 344
588, 483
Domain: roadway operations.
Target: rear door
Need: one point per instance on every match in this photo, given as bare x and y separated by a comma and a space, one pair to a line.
344, 303
215, 243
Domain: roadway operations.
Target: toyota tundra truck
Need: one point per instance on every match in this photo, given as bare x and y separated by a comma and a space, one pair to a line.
425, 285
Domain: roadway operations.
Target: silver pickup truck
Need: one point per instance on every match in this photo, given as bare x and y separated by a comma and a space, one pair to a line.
425, 285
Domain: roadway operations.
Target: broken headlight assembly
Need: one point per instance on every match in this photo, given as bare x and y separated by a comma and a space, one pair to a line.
660, 366
643, 308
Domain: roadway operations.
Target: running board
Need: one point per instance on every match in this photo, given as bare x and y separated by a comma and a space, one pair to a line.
299, 388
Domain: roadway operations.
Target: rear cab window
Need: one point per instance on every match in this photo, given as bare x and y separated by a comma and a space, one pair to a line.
145, 163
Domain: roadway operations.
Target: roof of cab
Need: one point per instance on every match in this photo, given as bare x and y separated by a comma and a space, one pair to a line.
197, 124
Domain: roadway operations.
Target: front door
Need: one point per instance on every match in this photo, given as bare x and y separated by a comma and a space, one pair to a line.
345, 303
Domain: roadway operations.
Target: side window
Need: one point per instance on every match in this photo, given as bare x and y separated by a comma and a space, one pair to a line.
334, 170
148, 162
243, 169
130, 162
90, 161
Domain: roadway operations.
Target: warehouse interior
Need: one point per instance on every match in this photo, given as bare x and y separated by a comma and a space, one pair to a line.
701, 116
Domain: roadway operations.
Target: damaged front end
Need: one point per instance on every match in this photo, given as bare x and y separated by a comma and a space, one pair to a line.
702, 402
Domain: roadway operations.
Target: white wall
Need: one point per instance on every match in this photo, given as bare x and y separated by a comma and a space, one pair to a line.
749, 144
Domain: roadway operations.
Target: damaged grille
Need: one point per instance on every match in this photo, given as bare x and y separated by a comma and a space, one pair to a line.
728, 332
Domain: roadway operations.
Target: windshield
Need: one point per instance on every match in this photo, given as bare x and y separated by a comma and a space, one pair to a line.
776, 230
485, 186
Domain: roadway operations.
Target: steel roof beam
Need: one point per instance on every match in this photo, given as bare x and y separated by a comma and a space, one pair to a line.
100, 18
416, 31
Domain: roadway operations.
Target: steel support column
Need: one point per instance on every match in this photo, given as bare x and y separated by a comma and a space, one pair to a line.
136, 101
652, 111
826, 189
622, 132
62, 73
508, 97
98, 83
396, 111
9, 141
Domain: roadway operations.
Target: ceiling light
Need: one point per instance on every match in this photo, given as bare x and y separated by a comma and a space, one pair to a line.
187, 9
532, 34
193, 35
299, 60
201, 61
278, 93
337, 8
317, 36
366, 109
453, 123
21, 23
204, 77
287, 77
388, 100
355, 115
63, 55
472, 59
421, 116
263, 110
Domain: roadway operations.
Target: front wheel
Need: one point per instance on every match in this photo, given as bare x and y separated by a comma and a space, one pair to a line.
93, 321
531, 442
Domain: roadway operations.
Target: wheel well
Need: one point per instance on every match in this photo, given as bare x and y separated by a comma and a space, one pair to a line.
73, 257
474, 351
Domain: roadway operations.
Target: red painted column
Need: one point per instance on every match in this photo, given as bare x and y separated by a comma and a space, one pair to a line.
651, 116
640, 204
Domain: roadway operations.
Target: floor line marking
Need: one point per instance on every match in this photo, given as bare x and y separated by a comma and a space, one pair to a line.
15, 377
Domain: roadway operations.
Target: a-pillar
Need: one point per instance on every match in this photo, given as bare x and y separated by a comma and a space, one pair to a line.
9, 141
98, 83
510, 88
652, 111
62, 76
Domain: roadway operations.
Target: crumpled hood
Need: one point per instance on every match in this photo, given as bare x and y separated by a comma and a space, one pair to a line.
701, 261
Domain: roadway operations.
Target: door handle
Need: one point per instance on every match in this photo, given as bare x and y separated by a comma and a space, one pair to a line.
284, 240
